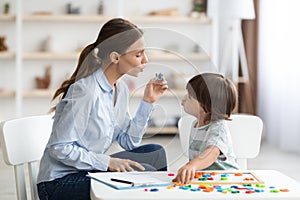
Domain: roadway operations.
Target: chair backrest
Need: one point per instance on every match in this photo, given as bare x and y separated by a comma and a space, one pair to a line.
184, 129
246, 131
23, 142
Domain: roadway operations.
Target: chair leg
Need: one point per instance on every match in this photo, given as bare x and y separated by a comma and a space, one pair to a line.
33, 169
20, 182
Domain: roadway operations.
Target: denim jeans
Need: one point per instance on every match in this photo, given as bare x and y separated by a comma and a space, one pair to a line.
151, 156
76, 186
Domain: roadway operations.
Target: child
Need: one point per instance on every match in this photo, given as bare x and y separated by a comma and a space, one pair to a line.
211, 98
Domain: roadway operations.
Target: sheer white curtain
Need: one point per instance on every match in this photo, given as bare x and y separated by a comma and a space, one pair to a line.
279, 72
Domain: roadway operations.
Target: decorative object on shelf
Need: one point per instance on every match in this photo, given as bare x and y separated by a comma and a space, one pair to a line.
3, 46
101, 8
42, 13
47, 45
44, 82
199, 9
165, 12
71, 9
197, 48
6, 8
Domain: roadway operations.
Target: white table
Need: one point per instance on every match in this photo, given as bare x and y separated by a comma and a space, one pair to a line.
100, 191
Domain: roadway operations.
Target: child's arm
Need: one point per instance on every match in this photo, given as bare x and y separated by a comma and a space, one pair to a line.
187, 172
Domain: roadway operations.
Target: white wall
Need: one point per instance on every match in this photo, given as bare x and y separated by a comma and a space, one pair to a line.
278, 72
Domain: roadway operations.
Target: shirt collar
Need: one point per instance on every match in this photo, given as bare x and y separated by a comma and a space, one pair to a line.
102, 81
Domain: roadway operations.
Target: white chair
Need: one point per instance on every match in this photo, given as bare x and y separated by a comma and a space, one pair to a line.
246, 131
23, 142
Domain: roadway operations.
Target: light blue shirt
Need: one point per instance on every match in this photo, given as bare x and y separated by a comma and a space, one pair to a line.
86, 123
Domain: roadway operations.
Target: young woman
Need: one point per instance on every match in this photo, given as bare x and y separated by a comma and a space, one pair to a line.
211, 98
93, 112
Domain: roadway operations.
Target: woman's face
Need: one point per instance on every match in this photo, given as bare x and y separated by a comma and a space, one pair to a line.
134, 60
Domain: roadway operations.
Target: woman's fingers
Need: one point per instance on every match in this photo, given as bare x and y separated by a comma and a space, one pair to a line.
124, 165
137, 165
129, 163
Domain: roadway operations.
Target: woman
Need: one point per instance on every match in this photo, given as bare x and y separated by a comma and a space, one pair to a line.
93, 112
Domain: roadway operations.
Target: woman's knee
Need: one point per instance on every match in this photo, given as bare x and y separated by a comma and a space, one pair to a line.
150, 148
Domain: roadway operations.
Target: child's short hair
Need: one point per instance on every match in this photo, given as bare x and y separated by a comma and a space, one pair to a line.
215, 93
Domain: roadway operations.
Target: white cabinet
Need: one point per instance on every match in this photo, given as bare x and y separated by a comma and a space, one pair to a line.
172, 45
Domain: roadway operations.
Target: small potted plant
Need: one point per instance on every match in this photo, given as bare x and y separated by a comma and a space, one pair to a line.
6, 8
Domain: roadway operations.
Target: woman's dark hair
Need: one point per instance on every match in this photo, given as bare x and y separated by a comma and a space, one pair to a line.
115, 35
215, 93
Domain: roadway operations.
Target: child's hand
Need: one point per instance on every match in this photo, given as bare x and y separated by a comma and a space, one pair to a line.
185, 174
155, 88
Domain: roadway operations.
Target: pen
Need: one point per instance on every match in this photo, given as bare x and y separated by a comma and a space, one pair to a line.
122, 181
134, 184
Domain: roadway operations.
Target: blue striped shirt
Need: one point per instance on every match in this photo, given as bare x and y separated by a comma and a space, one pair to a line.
86, 123
217, 134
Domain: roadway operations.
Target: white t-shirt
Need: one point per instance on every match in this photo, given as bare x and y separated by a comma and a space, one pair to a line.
216, 134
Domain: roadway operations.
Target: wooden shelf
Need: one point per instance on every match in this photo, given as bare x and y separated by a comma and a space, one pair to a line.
48, 55
169, 19
49, 93
7, 93
65, 18
38, 93
29, 93
178, 57
7, 55
7, 17
75, 56
162, 130
98, 18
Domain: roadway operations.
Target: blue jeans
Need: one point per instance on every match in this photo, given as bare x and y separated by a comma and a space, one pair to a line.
76, 186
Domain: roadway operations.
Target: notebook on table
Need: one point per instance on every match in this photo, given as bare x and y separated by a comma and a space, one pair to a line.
131, 180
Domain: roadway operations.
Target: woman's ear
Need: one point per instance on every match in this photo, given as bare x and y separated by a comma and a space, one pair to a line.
114, 57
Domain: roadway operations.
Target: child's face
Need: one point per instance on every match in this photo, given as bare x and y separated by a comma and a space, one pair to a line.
191, 105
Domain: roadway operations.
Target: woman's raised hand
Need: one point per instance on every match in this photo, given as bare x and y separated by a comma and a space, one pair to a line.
155, 88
